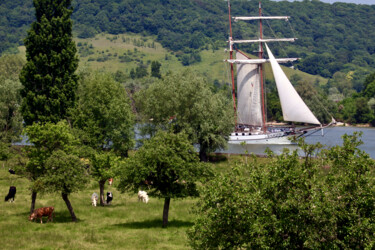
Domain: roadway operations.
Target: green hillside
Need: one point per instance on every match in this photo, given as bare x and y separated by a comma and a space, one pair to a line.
124, 52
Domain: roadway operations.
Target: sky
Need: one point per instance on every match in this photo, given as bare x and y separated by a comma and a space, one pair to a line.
345, 1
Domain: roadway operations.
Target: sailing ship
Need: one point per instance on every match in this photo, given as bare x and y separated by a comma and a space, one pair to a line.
251, 126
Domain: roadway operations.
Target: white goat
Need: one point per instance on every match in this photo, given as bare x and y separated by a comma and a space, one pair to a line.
94, 199
142, 196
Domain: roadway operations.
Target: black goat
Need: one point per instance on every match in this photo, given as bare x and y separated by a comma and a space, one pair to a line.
12, 194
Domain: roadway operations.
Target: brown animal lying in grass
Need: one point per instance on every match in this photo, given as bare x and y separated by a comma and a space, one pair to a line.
43, 211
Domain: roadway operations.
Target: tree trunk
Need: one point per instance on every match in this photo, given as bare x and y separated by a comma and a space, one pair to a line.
70, 208
33, 199
167, 201
101, 187
203, 156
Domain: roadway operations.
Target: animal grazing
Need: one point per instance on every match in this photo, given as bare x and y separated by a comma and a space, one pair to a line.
43, 211
11, 194
109, 197
94, 199
142, 196
11, 171
110, 181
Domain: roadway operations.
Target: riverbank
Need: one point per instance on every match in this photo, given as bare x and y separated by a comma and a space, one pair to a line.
362, 125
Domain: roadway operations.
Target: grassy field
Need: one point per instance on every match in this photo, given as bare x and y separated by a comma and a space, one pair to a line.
108, 52
126, 224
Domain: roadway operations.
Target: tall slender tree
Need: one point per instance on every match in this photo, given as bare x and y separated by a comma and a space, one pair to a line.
48, 78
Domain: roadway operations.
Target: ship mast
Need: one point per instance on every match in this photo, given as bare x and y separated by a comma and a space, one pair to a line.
231, 65
260, 67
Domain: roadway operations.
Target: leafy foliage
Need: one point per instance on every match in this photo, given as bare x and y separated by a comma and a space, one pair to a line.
155, 69
103, 114
185, 102
48, 77
325, 202
65, 173
167, 165
46, 139
103, 167
53, 164
10, 99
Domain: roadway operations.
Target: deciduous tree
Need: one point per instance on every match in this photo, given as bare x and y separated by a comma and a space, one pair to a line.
10, 100
103, 164
64, 173
185, 102
103, 114
167, 165
46, 139
104, 121
155, 69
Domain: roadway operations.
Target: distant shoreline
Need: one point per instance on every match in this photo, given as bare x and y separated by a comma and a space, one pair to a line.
362, 125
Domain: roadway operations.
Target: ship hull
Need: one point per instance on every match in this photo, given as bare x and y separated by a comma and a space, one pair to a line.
269, 138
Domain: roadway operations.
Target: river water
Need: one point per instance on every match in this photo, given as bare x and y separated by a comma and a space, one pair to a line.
331, 137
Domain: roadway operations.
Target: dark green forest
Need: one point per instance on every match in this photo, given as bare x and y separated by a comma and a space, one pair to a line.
334, 40
331, 37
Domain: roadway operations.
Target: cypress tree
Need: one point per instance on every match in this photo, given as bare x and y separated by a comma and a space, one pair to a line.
49, 77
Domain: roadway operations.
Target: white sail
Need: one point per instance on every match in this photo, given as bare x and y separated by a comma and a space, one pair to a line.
293, 107
249, 94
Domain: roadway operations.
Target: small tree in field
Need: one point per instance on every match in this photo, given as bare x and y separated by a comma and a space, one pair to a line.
65, 173
102, 169
168, 164
104, 121
53, 164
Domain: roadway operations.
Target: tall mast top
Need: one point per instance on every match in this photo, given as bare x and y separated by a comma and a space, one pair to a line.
246, 18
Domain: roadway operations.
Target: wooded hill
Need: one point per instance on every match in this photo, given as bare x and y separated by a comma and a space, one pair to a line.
331, 37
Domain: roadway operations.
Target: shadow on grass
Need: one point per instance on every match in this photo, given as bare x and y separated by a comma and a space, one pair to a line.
154, 224
64, 217
111, 205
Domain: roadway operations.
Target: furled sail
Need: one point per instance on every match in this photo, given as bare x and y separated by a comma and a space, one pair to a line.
249, 94
293, 107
